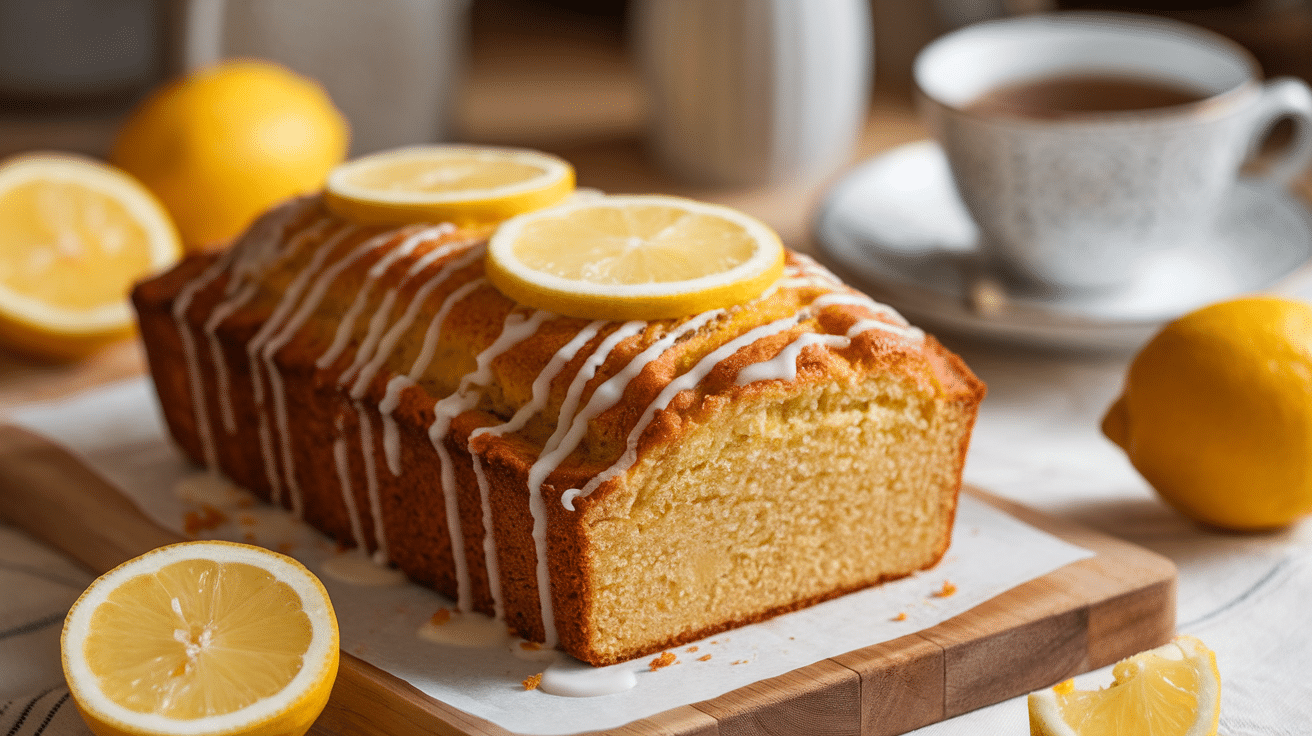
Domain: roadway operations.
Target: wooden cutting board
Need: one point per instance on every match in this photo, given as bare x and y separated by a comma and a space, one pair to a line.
1081, 617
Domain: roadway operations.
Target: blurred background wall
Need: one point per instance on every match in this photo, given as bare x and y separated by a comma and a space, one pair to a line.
69, 69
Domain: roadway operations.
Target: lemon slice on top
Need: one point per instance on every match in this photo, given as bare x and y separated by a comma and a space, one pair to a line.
1173, 690
466, 185
74, 236
202, 638
634, 257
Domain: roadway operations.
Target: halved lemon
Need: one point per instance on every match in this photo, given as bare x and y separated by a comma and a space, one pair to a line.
202, 638
75, 234
1173, 690
465, 185
634, 257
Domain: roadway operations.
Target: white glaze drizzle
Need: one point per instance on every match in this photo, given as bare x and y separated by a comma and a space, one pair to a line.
280, 312
570, 678
199, 411
784, 365
566, 437
256, 248
898, 326
357, 569
562, 443
381, 554
466, 629
374, 333
313, 298
255, 255
399, 328
384, 345
222, 383
514, 330
397, 384
686, 381
809, 272
541, 392
347, 323
344, 480
379, 330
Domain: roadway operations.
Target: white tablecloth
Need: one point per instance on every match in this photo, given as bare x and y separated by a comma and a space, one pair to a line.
1037, 442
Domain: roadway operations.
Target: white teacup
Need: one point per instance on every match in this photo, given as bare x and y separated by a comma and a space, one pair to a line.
1077, 201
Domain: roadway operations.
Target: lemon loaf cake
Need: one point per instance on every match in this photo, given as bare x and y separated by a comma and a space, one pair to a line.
611, 488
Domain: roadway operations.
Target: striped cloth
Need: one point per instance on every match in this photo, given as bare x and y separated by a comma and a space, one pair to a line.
42, 585
46, 712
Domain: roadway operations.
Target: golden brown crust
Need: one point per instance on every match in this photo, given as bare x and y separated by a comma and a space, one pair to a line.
367, 302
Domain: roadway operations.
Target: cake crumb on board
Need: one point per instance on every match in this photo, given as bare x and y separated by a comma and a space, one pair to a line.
900, 617
209, 517
704, 658
947, 590
665, 660
532, 681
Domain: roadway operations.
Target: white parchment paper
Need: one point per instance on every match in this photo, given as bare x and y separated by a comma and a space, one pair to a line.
118, 431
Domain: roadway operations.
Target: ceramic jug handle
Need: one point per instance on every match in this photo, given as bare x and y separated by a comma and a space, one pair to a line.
1286, 97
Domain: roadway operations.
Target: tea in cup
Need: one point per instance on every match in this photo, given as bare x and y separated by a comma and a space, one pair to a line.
1082, 143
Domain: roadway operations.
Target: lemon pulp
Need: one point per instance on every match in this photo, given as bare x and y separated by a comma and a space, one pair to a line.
1173, 690
58, 237
424, 177
634, 257
634, 245
75, 234
202, 638
197, 638
465, 185
1165, 702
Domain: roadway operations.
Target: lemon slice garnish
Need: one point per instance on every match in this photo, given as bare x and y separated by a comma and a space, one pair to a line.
465, 185
634, 257
202, 638
75, 234
1173, 690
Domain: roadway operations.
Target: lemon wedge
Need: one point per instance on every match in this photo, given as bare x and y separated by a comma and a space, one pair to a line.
1173, 690
465, 185
74, 236
202, 638
634, 257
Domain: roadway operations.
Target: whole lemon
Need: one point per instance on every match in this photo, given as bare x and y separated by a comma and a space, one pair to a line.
1217, 413
224, 144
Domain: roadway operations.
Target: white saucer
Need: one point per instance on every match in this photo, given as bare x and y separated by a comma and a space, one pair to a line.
896, 224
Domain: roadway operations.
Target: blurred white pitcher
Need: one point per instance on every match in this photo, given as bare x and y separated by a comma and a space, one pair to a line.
391, 65
746, 92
